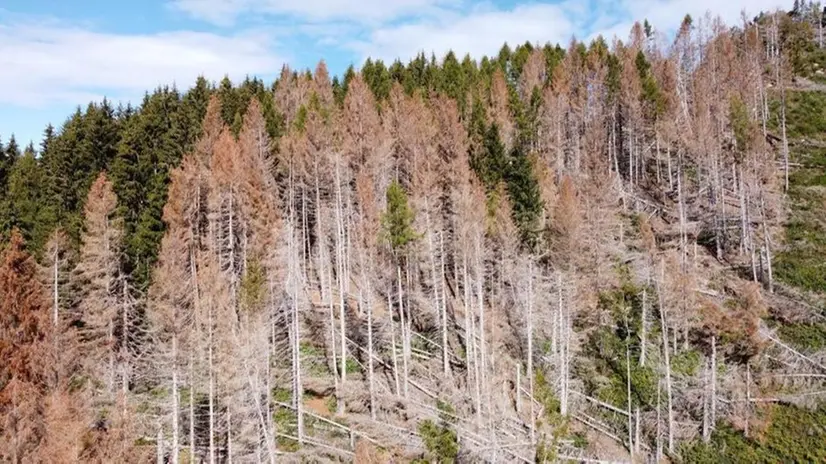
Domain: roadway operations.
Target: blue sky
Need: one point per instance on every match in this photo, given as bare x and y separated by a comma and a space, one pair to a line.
57, 54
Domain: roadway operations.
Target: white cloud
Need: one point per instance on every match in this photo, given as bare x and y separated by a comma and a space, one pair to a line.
224, 12
45, 63
667, 15
480, 32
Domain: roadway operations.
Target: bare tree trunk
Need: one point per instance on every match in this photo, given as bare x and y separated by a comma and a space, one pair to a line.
232, 272
305, 236
298, 388
530, 352
659, 423
644, 324
370, 351
444, 306
477, 370
713, 382
229, 435
124, 347
631, 446
211, 373
405, 366
295, 290
564, 347
343, 329
333, 337
340, 257
767, 242
706, 418
110, 344
748, 397
158, 441
482, 329
666, 358
741, 194
719, 220
785, 138
681, 205
56, 303
657, 148
393, 346
175, 407
322, 262
191, 409
518, 396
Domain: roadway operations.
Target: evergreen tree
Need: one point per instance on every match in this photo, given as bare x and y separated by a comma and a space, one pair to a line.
340, 91
518, 60
652, 100
452, 80
417, 68
152, 144
397, 221
489, 161
503, 59
524, 193
553, 56
193, 110
12, 150
25, 208
377, 78
86, 144
470, 76
230, 101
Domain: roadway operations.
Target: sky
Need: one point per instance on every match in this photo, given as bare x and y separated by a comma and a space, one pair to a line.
58, 54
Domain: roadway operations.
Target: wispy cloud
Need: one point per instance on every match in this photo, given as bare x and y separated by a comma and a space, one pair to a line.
47, 62
479, 32
399, 29
224, 12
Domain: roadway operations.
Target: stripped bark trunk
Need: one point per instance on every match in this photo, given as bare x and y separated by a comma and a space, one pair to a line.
666, 358
405, 354
175, 407
370, 351
393, 346
530, 352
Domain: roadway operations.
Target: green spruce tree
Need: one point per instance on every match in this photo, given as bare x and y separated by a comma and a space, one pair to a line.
397, 220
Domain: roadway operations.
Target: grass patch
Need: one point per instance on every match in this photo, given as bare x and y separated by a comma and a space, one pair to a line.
805, 337
313, 359
792, 434
801, 262
805, 114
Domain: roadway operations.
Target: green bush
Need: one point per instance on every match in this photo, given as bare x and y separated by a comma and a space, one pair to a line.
440, 440
686, 363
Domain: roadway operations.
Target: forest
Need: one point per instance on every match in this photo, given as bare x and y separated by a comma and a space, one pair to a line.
588, 252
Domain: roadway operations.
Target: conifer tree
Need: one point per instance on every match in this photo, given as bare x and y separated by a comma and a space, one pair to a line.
151, 146
26, 206
524, 194
397, 221
489, 161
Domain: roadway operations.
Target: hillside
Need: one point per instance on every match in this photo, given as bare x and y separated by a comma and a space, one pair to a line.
598, 252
